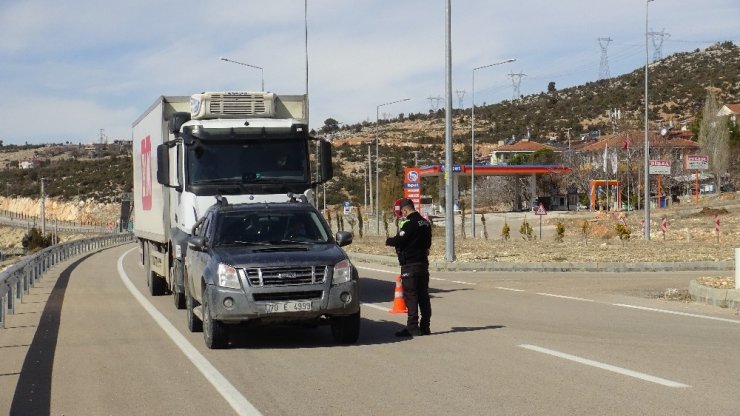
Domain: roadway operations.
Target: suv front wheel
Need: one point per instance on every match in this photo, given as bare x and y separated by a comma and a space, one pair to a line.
214, 331
345, 329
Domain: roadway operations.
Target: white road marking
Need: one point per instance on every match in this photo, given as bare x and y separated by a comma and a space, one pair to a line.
238, 402
565, 297
396, 273
608, 367
378, 270
509, 289
380, 308
734, 321
464, 283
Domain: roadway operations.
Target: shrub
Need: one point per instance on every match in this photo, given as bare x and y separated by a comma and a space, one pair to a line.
560, 230
34, 241
506, 231
526, 231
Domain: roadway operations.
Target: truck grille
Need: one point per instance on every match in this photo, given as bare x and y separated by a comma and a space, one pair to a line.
285, 276
287, 296
242, 104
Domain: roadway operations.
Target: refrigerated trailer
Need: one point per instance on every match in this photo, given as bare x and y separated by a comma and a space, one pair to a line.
244, 146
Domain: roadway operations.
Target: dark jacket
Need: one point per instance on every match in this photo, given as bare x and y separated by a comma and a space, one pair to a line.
413, 240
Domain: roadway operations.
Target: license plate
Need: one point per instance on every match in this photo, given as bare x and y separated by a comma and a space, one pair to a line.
288, 307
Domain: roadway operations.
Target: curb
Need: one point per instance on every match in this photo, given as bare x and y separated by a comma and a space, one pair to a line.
556, 267
724, 298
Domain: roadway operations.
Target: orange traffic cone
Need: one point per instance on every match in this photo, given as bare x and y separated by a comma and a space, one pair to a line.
399, 305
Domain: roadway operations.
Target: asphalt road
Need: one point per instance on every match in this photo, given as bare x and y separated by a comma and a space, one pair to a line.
89, 341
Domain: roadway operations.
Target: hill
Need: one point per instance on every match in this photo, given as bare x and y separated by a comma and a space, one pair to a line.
678, 86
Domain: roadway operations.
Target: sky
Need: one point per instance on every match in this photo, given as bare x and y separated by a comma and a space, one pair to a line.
71, 70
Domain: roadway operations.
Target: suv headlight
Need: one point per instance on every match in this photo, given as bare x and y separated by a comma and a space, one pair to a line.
342, 272
227, 276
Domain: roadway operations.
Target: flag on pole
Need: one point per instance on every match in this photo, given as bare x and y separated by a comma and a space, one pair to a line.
615, 162
606, 156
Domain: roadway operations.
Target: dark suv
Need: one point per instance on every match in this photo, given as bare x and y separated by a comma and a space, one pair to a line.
269, 263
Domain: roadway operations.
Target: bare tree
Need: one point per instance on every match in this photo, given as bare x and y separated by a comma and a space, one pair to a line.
714, 138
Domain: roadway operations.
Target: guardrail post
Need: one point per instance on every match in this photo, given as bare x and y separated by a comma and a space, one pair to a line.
2, 310
737, 268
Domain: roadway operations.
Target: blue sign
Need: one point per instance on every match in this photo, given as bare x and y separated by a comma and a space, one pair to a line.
411, 185
455, 168
347, 204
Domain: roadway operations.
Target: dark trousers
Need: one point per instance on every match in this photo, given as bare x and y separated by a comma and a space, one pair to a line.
415, 283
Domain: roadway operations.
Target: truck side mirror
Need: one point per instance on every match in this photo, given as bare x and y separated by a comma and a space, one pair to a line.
327, 169
163, 165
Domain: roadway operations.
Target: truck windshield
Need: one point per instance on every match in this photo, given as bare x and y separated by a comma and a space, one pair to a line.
271, 161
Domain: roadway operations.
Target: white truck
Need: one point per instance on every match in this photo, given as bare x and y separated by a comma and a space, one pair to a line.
247, 146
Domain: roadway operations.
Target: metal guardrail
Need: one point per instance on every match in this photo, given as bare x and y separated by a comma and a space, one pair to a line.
16, 281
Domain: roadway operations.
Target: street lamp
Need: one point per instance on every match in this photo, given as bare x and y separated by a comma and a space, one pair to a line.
377, 177
262, 72
646, 148
472, 147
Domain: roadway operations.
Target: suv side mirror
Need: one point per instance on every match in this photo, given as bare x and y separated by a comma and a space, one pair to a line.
197, 243
344, 238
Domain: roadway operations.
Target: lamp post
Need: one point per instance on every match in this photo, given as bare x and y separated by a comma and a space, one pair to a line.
472, 148
646, 148
43, 210
262, 72
377, 177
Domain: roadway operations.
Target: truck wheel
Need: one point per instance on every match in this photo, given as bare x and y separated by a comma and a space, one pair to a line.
194, 323
345, 329
178, 297
157, 285
214, 331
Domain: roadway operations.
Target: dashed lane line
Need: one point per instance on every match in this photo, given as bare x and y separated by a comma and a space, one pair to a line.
692, 315
239, 403
607, 367
510, 289
552, 295
431, 278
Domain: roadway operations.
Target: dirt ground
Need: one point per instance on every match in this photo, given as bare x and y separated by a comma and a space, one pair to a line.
690, 236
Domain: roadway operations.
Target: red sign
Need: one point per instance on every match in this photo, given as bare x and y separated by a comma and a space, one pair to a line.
411, 181
696, 162
660, 167
541, 210
716, 223
664, 224
146, 173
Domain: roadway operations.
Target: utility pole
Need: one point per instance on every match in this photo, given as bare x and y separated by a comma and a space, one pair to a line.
658, 38
460, 95
516, 81
604, 65
43, 208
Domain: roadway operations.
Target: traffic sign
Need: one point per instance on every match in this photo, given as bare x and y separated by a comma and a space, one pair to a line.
541, 210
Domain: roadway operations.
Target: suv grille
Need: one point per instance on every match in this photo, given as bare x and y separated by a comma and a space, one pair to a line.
285, 276
287, 296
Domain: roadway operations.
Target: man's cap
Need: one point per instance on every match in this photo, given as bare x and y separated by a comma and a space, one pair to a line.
400, 203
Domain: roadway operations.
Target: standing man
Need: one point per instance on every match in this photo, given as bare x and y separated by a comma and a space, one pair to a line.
412, 245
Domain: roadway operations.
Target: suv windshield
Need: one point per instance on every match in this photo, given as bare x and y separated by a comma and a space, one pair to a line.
270, 227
